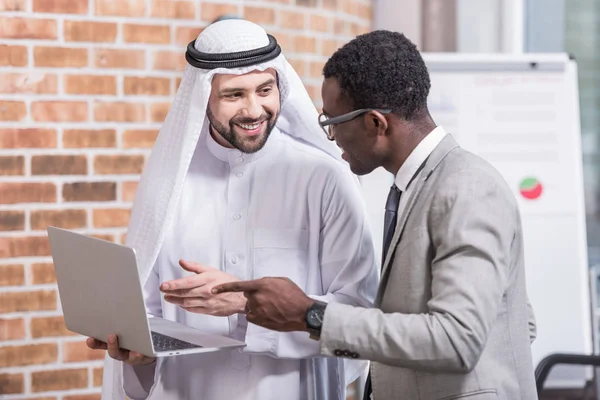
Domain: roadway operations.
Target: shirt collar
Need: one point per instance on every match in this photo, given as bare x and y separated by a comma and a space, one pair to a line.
236, 157
417, 157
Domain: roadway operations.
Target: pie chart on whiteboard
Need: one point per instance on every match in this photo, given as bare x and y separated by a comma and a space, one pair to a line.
531, 188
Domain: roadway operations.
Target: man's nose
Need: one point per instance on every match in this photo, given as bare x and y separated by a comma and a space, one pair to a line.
253, 108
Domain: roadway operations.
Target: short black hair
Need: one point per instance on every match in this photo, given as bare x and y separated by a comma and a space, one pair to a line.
382, 69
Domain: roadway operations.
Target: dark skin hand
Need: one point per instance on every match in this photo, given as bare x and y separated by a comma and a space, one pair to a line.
273, 303
112, 346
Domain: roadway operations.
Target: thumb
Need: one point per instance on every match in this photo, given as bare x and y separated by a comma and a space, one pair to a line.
194, 267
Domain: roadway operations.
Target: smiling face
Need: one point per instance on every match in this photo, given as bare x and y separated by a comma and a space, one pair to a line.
243, 109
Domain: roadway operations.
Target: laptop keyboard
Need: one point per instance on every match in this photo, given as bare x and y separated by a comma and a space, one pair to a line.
166, 343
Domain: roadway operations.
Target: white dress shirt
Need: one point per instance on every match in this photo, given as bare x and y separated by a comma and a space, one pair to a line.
286, 210
409, 172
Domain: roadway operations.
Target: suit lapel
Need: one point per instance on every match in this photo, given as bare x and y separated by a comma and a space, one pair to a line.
437, 155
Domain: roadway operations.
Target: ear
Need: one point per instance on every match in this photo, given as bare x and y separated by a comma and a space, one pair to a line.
376, 122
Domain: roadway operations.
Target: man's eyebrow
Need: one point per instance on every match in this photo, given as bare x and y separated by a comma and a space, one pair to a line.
269, 82
231, 90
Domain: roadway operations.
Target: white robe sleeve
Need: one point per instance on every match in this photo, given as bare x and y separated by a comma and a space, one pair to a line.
349, 271
139, 381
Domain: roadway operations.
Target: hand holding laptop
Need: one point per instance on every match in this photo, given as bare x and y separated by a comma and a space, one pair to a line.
128, 357
194, 293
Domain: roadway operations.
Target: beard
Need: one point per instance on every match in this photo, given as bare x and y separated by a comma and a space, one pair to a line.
245, 144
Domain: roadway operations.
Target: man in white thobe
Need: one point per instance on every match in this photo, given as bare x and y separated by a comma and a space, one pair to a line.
242, 178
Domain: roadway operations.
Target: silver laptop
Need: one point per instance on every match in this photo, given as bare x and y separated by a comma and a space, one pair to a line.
101, 294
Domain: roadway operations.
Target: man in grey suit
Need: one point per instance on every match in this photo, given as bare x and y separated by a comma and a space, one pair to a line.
453, 319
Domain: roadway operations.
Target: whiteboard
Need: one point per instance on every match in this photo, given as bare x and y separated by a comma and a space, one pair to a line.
521, 113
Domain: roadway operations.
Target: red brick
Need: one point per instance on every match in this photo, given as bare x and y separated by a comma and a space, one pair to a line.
12, 221
91, 84
83, 397
305, 44
41, 300
139, 138
12, 329
319, 23
159, 111
128, 190
79, 352
329, 4
33, 82
89, 31
13, 56
33, 246
83, 138
13, 5
111, 218
12, 165
119, 112
12, 110
299, 65
60, 57
12, 383
133, 85
328, 47
211, 11
185, 34
44, 381
12, 275
260, 15
154, 34
97, 373
49, 327
16, 356
61, 6
14, 193
125, 8
120, 164
59, 111
120, 59
291, 19
90, 191
12, 138
173, 9
42, 273
25, 28
169, 60
67, 219
285, 41
316, 69
59, 165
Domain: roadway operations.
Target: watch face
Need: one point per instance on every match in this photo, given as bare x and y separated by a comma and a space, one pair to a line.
315, 318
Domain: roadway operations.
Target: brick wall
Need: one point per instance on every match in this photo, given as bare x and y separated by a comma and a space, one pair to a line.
84, 86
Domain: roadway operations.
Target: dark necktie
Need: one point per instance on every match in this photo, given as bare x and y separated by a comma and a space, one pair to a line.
389, 221
389, 226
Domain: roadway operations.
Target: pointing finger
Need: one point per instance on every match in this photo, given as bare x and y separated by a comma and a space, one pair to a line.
238, 286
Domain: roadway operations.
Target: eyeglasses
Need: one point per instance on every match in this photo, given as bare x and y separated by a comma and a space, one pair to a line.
327, 124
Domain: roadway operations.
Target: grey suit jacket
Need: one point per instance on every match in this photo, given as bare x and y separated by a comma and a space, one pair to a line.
453, 319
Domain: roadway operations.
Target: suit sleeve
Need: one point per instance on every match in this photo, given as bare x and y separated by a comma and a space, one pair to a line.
348, 268
472, 225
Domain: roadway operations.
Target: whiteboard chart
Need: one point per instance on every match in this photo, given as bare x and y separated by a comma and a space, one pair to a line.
521, 113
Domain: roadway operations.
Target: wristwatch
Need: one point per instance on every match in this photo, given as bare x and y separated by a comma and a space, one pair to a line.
314, 319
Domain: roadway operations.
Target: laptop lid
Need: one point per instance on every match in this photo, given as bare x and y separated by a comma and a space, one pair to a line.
100, 289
